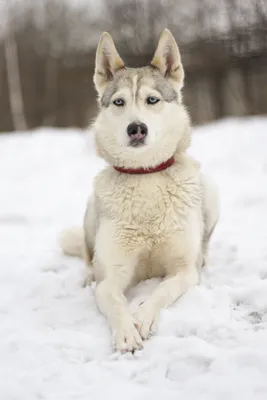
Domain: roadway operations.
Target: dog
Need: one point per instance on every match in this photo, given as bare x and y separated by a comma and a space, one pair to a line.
152, 212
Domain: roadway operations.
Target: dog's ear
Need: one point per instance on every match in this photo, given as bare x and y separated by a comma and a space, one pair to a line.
167, 59
107, 62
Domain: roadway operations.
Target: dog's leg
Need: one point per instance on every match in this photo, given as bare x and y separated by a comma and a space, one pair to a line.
163, 296
113, 304
114, 270
179, 257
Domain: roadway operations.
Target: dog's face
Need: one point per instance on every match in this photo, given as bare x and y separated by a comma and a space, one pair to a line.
141, 120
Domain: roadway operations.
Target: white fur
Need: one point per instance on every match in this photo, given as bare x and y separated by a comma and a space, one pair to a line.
71, 242
142, 226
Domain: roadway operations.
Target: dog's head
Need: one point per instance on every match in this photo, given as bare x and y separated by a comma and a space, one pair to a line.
142, 121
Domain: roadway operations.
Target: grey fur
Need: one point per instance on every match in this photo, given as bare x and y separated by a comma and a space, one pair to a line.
145, 75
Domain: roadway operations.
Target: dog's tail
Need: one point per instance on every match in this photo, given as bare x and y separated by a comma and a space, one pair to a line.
72, 242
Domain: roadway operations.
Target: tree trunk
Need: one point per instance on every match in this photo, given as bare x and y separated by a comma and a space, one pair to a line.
14, 84
51, 91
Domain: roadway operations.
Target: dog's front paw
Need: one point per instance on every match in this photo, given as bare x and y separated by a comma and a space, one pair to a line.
146, 321
127, 338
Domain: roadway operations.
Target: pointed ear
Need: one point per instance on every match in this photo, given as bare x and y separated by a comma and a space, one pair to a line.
167, 59
107, 62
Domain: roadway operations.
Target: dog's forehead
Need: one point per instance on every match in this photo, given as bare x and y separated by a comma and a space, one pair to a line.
134, 79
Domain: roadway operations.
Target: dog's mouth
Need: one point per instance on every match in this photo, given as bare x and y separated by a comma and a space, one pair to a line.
137, 142
137, 139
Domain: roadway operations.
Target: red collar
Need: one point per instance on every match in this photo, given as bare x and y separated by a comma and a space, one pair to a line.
149, 170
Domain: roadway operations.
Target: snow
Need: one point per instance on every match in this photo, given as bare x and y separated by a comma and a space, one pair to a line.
54, 344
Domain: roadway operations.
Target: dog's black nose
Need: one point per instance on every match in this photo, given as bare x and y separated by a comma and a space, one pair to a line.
137, 130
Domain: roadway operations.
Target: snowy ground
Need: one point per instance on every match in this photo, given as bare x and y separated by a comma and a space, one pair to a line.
54, 344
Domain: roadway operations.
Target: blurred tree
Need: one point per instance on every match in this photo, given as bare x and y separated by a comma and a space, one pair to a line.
49, 51
14, 84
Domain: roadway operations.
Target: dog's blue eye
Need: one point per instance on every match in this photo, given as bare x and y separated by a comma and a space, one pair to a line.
118, 102
152, 100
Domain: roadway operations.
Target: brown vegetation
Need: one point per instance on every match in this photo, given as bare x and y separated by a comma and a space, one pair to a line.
46, 77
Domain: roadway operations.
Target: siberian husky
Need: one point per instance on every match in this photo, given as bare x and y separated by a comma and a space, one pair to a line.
152, 212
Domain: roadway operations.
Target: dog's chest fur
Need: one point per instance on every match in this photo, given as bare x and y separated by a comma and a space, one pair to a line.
149, 207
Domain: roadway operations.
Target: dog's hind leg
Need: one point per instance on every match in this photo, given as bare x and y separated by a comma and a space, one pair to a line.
211, 212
